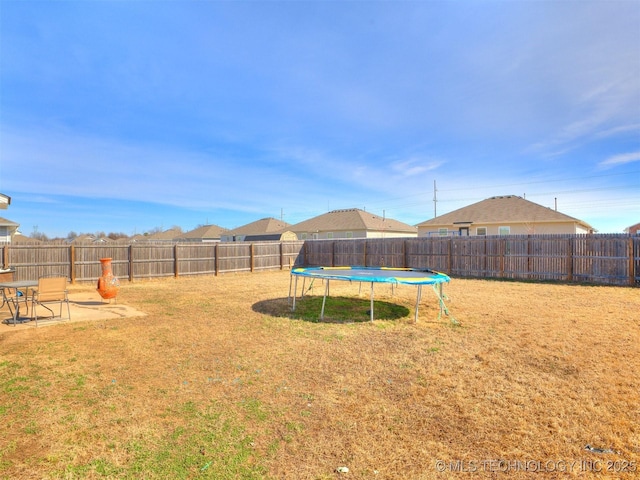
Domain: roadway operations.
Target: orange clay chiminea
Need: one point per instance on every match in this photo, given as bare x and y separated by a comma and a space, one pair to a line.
108, 284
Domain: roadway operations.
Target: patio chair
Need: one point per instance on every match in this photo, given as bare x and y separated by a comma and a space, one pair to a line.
51, 290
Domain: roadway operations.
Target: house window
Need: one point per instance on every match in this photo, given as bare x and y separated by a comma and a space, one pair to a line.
442, 232
481, 231
504, 230
349, 234
303, 236
329, 234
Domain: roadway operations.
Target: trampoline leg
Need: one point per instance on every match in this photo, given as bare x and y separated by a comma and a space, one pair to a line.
372, 301
295, 292
415, 318
324, 299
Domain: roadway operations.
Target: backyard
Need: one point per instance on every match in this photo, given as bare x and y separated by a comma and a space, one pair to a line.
220, 380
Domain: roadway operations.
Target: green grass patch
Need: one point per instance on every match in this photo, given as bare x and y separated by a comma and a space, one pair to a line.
347, 309
255, 409
205, 444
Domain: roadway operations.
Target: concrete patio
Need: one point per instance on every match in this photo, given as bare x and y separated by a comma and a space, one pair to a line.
84, 306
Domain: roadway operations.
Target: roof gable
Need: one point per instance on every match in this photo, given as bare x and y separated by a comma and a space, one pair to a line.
502, 209
351, 219
205, 231
5, 201
170, 234
23, 239
264, 225
8, 223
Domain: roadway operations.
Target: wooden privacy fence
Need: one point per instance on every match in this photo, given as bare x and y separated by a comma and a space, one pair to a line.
598, 259
81, 263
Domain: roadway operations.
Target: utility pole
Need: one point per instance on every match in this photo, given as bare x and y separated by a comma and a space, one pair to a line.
435, 199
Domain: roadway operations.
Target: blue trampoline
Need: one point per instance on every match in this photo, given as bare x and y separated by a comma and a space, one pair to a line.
394, 276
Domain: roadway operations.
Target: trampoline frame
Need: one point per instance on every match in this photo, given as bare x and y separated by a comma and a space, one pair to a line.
418, 277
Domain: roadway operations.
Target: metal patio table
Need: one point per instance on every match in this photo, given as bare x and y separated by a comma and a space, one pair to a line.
14, 301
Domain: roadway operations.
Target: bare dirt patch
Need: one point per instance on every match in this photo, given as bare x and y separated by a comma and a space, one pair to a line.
533, 373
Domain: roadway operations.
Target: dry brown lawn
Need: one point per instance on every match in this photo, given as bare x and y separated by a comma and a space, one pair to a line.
533, 373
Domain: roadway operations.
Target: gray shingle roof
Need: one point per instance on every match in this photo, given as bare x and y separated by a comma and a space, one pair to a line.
503, 209
351, 219
264, 225
23, 239
170, 234
206, 231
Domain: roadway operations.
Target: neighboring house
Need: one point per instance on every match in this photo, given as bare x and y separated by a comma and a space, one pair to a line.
5, 201
138, 237
260, 230
88, 238
166, 236
7, 229
351, 223
505, 215
633, 229
204, 234
20, 239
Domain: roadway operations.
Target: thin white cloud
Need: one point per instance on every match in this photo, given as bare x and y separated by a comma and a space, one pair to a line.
620, 130
414, 166
621, 159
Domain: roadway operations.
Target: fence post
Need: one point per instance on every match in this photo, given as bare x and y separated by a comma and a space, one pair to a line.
304, 253
570, 260
404, 254
632, 263
485, 263
251, 259
333, 253
528, 256
364, 253
175, 261
449, 254
281, 257
216, 266
131, 263
72, 263
502, 244
5, 256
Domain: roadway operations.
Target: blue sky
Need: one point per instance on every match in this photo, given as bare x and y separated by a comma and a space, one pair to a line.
128, 116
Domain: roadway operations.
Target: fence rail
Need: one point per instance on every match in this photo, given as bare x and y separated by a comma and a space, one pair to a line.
597, 259
81, 263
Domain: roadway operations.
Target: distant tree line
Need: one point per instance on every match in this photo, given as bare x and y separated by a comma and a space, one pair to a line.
71, 236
